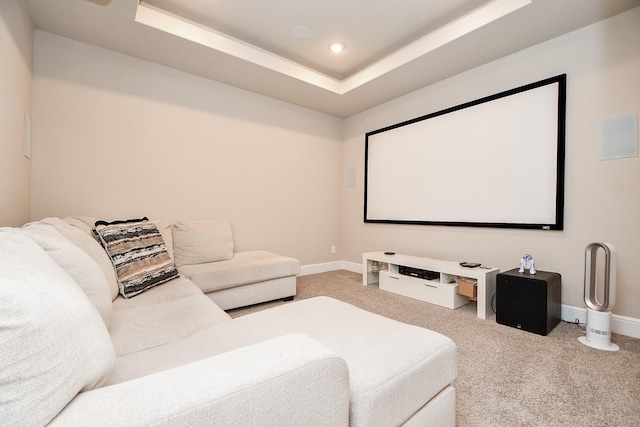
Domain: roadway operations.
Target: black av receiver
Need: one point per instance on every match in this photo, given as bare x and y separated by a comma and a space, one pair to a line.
419, 273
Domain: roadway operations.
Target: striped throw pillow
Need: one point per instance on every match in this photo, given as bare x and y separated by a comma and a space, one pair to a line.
138, 254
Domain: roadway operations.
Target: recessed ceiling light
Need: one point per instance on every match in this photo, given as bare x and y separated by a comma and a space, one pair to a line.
303, 32
336, 47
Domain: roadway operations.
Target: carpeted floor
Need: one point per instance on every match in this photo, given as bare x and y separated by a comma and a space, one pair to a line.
508, 377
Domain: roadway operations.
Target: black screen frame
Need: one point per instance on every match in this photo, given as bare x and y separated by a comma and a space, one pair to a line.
557, 224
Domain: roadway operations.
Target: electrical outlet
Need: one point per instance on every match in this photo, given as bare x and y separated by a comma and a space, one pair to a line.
333, 249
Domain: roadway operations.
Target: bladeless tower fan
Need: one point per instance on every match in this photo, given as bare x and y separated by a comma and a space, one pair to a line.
599, 312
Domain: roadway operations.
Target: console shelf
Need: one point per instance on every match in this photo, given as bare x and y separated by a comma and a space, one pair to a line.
439, 287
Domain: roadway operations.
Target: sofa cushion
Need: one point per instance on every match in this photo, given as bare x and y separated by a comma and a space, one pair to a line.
175, 310
244, 268
53, 342
76, 230
288, 381
84, 223
197, 242
138, 253
164, 227
77, 263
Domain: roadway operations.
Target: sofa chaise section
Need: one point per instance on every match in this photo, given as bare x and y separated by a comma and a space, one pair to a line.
247, 278
397, 371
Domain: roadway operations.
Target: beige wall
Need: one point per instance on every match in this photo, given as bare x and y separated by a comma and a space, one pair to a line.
118, 137
602, 197
16, 41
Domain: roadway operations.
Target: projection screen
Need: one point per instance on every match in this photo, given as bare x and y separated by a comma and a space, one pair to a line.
493, 162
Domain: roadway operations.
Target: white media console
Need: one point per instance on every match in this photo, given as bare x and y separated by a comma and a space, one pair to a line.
441, 290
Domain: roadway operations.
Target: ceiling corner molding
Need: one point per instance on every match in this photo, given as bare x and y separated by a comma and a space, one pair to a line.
460, 27
205, 36
172, 24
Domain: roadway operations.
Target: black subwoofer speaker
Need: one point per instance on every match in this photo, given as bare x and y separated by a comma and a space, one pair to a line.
530, 302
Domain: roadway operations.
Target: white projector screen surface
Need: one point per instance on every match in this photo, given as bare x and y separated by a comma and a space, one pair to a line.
497, 161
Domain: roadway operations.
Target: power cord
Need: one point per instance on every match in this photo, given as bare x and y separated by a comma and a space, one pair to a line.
576, 322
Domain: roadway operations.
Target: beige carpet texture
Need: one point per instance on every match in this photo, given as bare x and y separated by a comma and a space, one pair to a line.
506, 376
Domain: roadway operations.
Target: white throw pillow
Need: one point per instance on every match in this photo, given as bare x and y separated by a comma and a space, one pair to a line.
53, 342
198, 242
77, 263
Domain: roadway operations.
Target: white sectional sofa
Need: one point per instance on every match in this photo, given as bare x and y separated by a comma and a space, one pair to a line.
75, 351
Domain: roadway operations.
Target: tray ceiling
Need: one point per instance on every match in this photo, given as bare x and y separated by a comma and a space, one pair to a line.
280, 48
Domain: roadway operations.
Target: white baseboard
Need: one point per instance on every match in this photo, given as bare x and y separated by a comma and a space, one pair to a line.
570, 314
305, 270
330, 266
622, 325
352, 266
